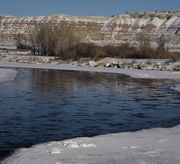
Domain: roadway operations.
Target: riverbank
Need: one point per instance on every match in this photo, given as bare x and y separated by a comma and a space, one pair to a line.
135, 73
154, 146
140, 64
7, 74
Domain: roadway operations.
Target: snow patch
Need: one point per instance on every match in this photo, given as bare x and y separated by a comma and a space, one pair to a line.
157, 22
132, 147
170, 21
75, 145
56, 151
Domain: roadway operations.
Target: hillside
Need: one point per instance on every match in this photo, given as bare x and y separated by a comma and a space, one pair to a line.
102, 30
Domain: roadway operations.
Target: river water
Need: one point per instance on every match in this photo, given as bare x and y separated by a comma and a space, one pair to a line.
47, 105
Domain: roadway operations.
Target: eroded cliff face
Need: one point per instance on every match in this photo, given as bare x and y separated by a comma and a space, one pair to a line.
103, 30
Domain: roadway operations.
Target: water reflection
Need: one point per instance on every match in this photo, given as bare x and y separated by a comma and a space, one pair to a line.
46, 105
70, 80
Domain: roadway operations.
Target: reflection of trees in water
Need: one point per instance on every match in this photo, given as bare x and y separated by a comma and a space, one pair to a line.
47, 80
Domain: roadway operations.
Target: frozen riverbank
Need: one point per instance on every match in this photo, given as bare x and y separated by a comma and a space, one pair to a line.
7, 75
135, 73
154, 146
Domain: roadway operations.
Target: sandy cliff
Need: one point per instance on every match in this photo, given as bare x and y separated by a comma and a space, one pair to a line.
103, 30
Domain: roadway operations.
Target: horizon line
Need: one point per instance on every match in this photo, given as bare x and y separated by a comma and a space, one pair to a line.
66, 14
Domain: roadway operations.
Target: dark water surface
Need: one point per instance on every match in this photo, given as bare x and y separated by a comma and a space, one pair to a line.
47, 105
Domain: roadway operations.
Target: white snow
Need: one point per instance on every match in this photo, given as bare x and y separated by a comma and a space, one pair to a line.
157, 22
75, 145
142, 22
176, 23
154, 146
55, 151
107, 25
170, 22
135, 73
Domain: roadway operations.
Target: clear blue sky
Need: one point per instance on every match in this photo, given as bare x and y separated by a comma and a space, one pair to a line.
83, 7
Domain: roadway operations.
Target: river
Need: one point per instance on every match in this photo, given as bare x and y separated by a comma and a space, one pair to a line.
51, 105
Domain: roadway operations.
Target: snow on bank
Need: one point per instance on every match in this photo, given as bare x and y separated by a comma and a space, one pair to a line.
135, 73
154, 146
7, 75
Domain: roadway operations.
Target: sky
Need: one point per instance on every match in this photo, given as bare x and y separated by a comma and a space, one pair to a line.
83, 7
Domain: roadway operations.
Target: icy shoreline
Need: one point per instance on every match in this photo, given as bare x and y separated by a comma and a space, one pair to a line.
7, 74
154, 146
135, 73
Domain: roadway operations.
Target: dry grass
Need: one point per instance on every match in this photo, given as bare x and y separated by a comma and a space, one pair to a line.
88, 50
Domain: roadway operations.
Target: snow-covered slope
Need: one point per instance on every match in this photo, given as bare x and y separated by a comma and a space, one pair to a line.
102, 30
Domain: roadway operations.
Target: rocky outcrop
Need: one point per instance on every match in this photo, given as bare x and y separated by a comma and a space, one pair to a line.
103, 30
30, 59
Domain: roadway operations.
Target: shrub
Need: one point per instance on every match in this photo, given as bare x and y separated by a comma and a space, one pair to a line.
48, 40
21, 42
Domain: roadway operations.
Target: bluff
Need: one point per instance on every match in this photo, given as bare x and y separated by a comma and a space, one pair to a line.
116, 29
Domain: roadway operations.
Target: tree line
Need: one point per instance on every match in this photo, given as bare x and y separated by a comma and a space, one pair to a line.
48, 40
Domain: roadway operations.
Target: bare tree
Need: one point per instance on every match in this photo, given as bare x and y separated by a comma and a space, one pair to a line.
33, 42
19, 40
49, 40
